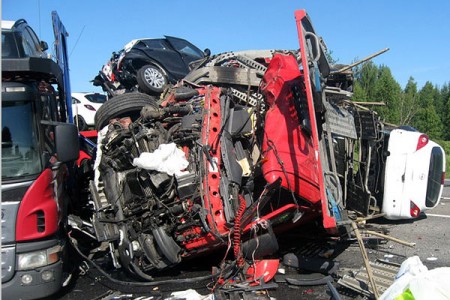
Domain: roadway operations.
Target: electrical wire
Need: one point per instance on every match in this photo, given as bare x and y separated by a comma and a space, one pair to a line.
74, 243
222, 263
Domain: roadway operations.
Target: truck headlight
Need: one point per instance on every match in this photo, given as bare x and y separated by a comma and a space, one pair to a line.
32, 260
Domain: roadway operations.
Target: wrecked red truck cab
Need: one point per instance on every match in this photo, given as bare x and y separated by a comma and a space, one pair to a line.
245, 126
248, 144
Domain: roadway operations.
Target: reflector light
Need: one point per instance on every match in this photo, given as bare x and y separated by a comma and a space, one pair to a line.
15, 89
423, 141
443, 178
414, 210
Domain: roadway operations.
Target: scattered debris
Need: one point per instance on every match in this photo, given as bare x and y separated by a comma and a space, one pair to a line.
415, 281
312, 264
189, 294
383, 274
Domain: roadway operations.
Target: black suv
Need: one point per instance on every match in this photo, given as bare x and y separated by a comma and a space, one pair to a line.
19, 40
148, 65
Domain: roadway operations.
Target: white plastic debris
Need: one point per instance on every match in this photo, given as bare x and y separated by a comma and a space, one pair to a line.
100, 136
415, 279
411, 267
189, 294
167, 159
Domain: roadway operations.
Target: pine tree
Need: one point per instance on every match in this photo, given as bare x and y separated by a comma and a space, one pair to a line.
366, 77
427, 119
445, 115
388, 90
408, 102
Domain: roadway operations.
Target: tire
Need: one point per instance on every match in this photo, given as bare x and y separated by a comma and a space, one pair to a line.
80, 123
125, 105
151, 79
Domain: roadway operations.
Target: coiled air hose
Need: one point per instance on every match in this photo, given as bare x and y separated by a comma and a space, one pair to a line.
237, 233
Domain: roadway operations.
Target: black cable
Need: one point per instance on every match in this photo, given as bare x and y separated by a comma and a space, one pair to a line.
74, 242
272, 146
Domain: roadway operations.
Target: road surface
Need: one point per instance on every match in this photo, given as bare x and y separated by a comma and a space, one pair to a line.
431, 233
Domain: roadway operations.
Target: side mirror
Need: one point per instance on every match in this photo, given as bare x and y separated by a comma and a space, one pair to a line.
66, 141
207, 52
44, 45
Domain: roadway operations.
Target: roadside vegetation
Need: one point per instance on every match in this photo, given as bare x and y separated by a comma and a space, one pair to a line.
427, 109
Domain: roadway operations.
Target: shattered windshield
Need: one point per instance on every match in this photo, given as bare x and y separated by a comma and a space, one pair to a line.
186, 48
20, 151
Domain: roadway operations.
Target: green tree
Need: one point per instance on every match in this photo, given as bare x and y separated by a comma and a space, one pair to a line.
427, 120
359, 94
446, 120
388, 90
445, 111
408, 102
439, 98
366, 76
428, 109
330, 58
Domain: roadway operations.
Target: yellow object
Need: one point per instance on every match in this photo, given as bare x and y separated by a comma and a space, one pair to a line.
406, 295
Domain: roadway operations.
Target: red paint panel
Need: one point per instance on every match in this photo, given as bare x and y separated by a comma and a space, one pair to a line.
89, 133
288, 151
211, 180
205, 241
38, 202
265, 269
83, 156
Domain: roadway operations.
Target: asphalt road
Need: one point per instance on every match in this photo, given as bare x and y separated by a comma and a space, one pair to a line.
430, 233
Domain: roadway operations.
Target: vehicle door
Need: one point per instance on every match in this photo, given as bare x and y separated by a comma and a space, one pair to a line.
161, 52
186, 50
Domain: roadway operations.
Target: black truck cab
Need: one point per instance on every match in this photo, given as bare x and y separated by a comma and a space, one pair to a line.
38, 149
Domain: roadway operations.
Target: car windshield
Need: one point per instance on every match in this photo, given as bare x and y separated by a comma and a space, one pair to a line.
434, 177
20, 151
96, 98
186, 48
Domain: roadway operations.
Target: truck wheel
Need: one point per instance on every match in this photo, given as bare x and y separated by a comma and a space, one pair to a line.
151, 79
80, 122
125, 105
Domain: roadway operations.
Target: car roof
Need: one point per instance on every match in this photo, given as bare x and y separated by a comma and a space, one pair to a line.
7, 24
85, 93
131, 44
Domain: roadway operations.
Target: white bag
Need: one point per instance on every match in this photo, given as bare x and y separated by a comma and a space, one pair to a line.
167, 158
424, 284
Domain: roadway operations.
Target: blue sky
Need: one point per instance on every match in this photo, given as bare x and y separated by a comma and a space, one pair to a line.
417, 32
